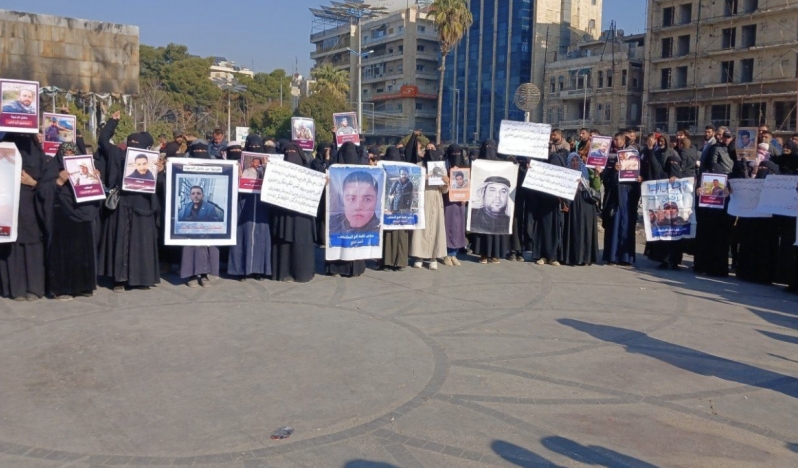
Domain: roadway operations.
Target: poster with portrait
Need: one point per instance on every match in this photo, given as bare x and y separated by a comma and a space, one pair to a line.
459, 184
668, 209
303, 132
599, 152
345, 126
713, 191
354, 212
83, 178
20, 106
779, 195
403, 203
10, 179
437, 170
57, 129
293, 187
745, 142
201, 202
493, 190
629, 160
252, 169
744, 198
141, 170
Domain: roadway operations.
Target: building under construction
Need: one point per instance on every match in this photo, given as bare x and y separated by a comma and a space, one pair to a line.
721, 62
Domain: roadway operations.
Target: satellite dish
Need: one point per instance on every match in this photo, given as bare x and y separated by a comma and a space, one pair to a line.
527, 97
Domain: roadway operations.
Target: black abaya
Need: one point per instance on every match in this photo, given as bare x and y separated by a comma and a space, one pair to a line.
489, 245
548, 221
347, 154
580, 232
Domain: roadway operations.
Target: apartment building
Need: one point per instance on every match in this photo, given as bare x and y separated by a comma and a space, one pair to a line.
724, 62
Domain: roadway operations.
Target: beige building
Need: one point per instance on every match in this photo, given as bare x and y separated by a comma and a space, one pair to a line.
225, 69
596, 84
399, 74
730, 62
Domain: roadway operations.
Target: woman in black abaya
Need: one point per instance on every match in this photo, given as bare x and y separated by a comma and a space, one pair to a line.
22, 262
71, 260
580, 232
758, 238
395, 243
321, 163
293, 253
619, 211
347, 154
548, 221
489, 247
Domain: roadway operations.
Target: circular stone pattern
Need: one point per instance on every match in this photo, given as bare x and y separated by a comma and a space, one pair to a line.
203, 378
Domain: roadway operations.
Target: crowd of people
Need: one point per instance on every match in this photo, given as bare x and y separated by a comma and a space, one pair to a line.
64, 246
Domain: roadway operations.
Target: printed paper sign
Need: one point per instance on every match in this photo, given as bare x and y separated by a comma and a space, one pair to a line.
57, 129
403, 205
779, 195
20, 106
141, 170
713, 191
526, 139
354, 212
345, 126
493, 198
744, 198
10, 179
629, 160
293, 187
83, 177
555, 180
668, 209
599, 152
459, 185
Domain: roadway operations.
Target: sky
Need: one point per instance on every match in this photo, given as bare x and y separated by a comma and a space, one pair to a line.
268, 34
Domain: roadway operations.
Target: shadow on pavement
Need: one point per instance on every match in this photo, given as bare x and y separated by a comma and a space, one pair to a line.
780, 337
592, 454
368, 464
688, 359
519, 456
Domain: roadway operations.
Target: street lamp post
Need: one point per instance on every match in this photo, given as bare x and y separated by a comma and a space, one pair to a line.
230, 86
360, 57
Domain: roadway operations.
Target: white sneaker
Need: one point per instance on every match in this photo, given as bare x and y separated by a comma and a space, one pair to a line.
433, 265
418, 265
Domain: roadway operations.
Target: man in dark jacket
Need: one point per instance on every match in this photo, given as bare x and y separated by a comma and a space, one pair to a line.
718, 160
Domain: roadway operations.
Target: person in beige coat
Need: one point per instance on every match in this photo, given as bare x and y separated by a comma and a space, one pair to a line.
429, 244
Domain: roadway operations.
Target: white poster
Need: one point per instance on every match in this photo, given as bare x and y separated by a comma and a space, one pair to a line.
84, 178
524, 139
493, 197
141, 170
354, 212
293, 187
744, 198
241, 135
668, 209
555, 180
779, 195
10, 180
436, 170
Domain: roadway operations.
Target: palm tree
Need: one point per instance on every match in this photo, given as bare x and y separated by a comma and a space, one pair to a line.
331, 80
452, 20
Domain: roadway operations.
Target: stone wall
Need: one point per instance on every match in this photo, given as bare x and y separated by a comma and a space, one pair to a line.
71, 54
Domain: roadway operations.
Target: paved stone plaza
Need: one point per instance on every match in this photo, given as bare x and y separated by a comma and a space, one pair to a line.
479, 365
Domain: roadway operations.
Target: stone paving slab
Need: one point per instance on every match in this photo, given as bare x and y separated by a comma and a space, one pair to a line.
479, 365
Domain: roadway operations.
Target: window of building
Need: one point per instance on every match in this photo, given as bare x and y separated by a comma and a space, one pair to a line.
419, 106
553, 85
686, 117
419, 68
390, 50
593, 2
419, 48
608, 112
681, 77
633, 113
746, 70
748, 35
624, 77
561, 83
720, 114
400, 69
752, 114
667, 47
730, 7
600, 80
661, 119
665, 78
549, 115
401, 29
560, 115
365, 91
685, 13
727, 72
635, 80
728, 38
380, 90
785, 115
422, 29
749, 6
683, 45
667, 16
600, 110
609, 78
390, 88
591, 25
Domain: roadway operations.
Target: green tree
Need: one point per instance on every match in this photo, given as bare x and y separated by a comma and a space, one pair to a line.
331, 80
320, 107
275, 121
452, 20
188, 81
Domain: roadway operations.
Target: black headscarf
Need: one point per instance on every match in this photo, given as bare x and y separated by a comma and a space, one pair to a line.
141, 140
320, 164
348, 154
254, 144
233, 152
455, 156
392, 154
766, 168
488, 150
293, 153
432, 154
199, 151
788, 160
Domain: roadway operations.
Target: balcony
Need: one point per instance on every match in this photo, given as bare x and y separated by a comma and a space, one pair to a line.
578, 93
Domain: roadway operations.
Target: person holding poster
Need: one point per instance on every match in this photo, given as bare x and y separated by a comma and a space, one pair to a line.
20, 110
396, 242
345, 127
128, 251
428, 244
454, 212
758, 249
548, 216
356, 193
787, 266
493, 191
321, 162
293, 255
714, 225
22, 271
251, 255
71, 257
619, 210
580, 231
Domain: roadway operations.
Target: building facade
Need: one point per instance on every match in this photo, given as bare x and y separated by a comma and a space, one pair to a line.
730, 62
598, 84
225, 69
505, 47
399, 71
